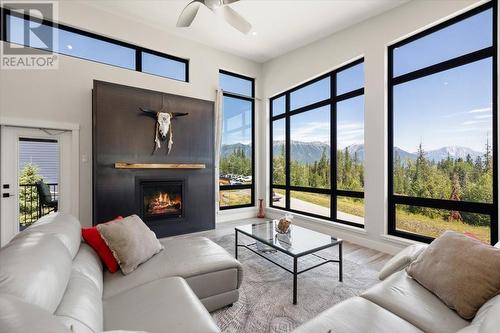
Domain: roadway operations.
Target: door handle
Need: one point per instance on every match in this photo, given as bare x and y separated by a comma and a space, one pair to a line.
5, 195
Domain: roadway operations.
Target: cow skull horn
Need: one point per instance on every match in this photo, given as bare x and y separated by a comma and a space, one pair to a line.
149, 112
179, 114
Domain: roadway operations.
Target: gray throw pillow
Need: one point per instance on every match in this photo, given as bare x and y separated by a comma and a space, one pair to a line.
463, 272
131, 242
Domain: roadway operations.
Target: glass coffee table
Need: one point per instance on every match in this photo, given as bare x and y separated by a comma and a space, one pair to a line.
298, 242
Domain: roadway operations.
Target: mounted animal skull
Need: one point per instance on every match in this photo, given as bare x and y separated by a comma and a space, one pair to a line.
163, 126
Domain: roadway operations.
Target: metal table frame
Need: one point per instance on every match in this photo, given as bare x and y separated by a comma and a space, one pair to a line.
295, 257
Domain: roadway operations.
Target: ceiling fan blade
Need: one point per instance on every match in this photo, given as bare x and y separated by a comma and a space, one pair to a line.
188, 14
235, 19
227, 2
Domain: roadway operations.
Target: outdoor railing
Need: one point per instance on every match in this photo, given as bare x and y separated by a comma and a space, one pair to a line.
29, 210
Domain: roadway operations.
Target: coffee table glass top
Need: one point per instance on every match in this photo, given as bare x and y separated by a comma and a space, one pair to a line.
298, 241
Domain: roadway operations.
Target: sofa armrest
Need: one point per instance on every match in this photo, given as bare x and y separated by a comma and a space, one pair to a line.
401, 260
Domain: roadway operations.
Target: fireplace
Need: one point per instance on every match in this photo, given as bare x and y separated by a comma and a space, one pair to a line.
161, 199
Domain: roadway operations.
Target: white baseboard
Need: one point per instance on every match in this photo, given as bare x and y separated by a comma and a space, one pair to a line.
235, 214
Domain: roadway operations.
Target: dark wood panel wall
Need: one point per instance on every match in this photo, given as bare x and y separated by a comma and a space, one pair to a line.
122, 134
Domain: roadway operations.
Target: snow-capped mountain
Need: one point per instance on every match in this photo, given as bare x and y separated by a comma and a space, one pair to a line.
308, 152
454, 152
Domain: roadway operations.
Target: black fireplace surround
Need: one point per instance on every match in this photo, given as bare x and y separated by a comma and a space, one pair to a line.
121, 133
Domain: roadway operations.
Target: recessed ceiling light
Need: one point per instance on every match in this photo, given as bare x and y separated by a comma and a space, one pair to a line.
254, 33
69, 46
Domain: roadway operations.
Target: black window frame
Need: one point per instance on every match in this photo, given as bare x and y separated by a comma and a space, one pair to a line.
490, 209
332, 101
5, 12
252, 101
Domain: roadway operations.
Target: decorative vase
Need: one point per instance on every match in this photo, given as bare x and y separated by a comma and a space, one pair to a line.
261, 214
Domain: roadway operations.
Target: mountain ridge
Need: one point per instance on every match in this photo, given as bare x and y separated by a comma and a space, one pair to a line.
308, 152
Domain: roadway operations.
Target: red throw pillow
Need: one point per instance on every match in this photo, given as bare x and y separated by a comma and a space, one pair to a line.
93, 238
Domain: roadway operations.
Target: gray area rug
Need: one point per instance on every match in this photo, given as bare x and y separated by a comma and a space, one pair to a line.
265, 303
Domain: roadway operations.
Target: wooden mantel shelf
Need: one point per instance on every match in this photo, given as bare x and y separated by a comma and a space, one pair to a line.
123, 165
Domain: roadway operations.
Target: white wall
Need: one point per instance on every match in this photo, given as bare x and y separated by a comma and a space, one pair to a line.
64, 95
369, 39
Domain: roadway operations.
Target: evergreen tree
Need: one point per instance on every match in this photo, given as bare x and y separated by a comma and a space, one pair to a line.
28, 196
487, 156
455, 195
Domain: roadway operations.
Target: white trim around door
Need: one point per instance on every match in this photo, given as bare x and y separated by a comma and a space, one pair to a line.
68, 135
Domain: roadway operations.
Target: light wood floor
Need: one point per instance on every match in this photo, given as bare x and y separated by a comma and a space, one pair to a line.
353, 252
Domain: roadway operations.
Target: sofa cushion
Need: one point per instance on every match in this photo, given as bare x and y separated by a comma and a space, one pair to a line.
17, 316
131, 242
88, 264
184, 257
64, 226
165, 305
487, 318
461, 271
81, 305
36, 268
357, 315
404, 297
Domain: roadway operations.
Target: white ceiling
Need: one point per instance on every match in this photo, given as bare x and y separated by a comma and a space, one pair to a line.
280, 25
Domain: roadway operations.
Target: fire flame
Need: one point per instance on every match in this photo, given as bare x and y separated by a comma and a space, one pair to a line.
164, 203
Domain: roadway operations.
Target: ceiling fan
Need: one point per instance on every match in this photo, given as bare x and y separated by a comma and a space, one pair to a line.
217, 6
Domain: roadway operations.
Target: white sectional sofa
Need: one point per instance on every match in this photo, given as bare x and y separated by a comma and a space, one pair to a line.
51, 281
400, 304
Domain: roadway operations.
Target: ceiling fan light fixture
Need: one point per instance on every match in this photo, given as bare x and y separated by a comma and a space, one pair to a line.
218, 7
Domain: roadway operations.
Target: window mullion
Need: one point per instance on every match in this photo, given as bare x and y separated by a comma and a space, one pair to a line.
287, 151
333, 147
138, 60
444, 66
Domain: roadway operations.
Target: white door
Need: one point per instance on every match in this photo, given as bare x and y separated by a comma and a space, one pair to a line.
48, 153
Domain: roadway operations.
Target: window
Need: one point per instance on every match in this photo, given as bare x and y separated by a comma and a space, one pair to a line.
236, 179
85, 45
312, 125
157, 64
442, 130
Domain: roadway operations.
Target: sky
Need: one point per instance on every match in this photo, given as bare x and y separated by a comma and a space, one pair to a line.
77, 45
314, 125
237, 125
450, 108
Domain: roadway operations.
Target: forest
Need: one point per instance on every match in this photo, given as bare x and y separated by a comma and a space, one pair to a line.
236, 163
451, 178
460, 179
317, 174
